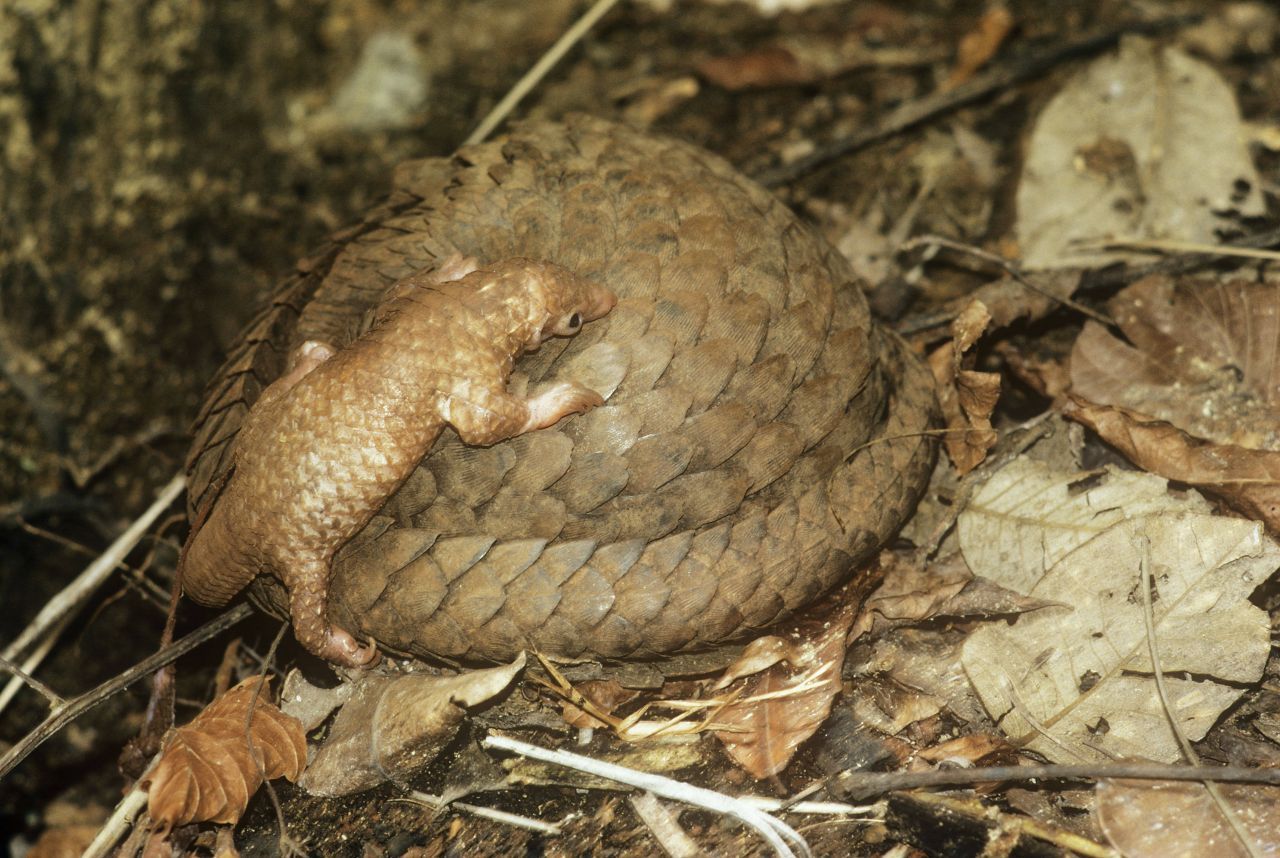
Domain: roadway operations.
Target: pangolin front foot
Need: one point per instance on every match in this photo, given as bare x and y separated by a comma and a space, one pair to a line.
564, 399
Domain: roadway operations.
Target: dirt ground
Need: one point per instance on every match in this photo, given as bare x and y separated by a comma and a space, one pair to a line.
164, 163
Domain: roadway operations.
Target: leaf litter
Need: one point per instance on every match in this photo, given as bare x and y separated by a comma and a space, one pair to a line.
1073, 680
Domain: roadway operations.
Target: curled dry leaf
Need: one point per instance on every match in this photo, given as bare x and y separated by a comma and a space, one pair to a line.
912, 592
967, 397
1072, 680
1145, 819
394, 725
212, 766
980, 44
1145, 143
1196, 397
786, 703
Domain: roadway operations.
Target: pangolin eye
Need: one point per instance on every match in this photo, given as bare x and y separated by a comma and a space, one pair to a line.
575, 320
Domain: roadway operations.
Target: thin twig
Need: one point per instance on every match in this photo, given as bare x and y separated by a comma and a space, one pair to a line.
77, 706
64, 603
1181, 263
54, 698
1036, 61
1192, 247
777, 833
1171, 714
858, 784
1010, 268
97, 571
534, 75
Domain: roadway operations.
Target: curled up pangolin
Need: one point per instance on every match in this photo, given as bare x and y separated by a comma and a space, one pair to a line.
760, 437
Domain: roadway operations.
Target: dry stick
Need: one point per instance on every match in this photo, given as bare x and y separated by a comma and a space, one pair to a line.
1184, 262
1034, 64
535, 75
1149, 620
778, 834
87, 581
77, 706
862, 785
1011, 268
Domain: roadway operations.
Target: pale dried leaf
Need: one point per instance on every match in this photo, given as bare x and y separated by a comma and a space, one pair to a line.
760, 654
784, 705
1144, 143
394, 725
1028, 517
1145, 819
1072, 680
207, 771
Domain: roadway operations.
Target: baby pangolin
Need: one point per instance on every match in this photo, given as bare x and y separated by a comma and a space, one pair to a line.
329, 441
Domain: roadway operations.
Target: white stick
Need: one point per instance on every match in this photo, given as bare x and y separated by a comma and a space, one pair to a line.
772, 830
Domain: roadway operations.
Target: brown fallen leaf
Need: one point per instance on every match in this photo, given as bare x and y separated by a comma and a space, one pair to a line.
967, 397
394, 725
783, 705
605, 695
971, 750
912, 592
1203, 353
212, 766
1248, 480
980, 44
771, 66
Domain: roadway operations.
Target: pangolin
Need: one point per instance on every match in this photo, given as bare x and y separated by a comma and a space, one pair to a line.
329, 441
762, 435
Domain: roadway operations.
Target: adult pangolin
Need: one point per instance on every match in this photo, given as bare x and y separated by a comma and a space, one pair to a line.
759, 437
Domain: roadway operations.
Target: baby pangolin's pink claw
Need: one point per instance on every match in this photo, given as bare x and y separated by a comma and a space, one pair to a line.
564, 399
339, 647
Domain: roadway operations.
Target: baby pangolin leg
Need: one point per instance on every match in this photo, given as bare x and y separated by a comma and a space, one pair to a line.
308, 583
503, 415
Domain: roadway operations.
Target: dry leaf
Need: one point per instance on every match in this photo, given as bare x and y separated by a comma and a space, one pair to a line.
969, 750
1145, 143
394, 725
1145, 819
967, 397
1249, 480
1028, 517
785, 704
605, 694
1205, 356
912, 592
760, 654
980, 44
208, 771
1204, 364
770, 66
1072, 680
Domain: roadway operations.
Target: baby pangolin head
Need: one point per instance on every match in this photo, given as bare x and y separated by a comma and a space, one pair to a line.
567, 301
